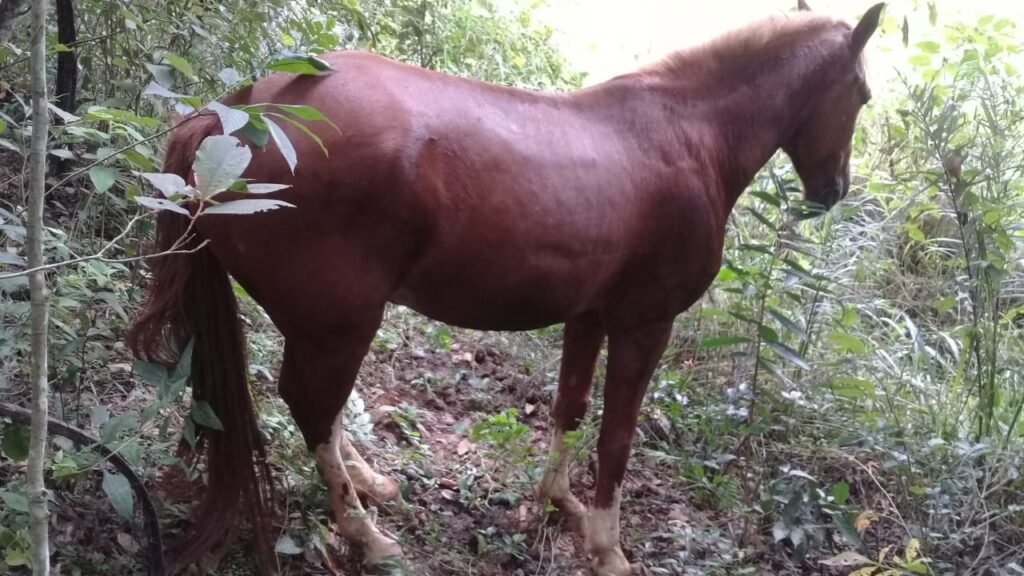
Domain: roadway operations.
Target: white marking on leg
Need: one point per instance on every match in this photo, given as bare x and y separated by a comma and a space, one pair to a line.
602, 538
377, 487
554, 485
555, 482
354, 524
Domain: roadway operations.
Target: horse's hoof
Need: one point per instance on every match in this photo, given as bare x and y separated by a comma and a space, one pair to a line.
383, 553
573, 512
387, 566
611, 563
568, 507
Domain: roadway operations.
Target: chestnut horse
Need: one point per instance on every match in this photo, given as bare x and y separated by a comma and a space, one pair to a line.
491, 208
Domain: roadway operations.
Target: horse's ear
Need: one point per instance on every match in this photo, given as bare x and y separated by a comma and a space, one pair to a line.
866, 27
802, 6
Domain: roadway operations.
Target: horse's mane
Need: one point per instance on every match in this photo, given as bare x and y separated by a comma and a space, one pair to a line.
762, 39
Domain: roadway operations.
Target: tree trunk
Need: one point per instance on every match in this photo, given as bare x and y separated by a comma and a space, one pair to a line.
38, 513
66, 85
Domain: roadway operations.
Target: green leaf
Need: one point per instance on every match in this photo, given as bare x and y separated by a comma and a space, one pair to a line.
247, 206
203, 414
789, 355
150, 372
846, 342
304, 112
231, 119
720, 341
788, 324
16, 441
913, 550
220, 161
852, 388
767, 197
119, 490
161, 204
99, 415
115, 426
308, 65
929, 47
305, 129
256, 132
101, 114
15, 501
189, 432
920, 60
943, 305
848, 531
264, 188
284, 144
5, 143
840, 493
102, 178
180, 64
183, 368
167, 184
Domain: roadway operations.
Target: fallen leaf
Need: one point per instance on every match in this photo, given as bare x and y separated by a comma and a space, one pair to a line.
464, 447
127, 542
864, 519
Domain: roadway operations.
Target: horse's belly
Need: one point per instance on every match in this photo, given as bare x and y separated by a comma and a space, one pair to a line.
503, 297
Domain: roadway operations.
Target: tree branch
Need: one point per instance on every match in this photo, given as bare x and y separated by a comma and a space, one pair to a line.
176, 249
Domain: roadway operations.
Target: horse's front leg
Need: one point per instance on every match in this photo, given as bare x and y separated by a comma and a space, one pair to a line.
580, 348
633, 355
316, 380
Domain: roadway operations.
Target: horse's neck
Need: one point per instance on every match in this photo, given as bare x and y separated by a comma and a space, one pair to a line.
742, 125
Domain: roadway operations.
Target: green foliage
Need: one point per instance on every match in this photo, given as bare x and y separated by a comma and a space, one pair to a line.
473, 38
844, 373
507, 442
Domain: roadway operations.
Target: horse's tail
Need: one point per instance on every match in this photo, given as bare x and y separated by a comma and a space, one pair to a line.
191, 300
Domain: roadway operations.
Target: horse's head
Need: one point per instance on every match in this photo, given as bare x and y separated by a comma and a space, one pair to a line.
821, 144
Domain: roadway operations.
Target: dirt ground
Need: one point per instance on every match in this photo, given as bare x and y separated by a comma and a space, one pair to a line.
467, 506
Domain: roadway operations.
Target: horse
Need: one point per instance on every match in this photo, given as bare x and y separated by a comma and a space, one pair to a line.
491, 208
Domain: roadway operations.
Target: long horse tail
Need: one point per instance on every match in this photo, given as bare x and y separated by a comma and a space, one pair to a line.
191, 300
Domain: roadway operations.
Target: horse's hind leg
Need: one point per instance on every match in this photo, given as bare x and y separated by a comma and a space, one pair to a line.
580, 348
632, 357
370, 485
319, 370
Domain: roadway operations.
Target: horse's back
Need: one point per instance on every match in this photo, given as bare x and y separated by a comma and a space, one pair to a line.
479, 205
